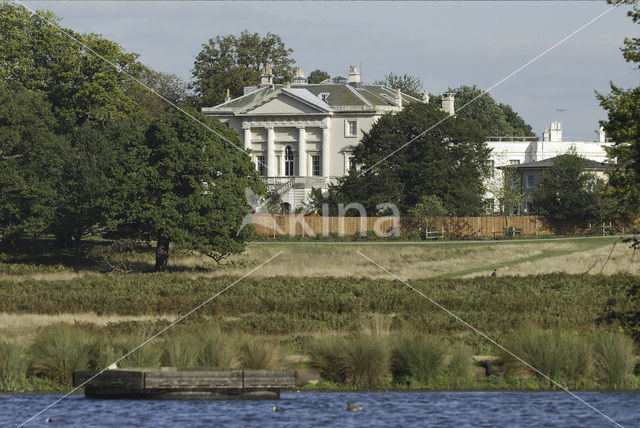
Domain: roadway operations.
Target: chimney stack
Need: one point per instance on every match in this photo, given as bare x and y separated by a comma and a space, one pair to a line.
399, 97
556, 131
267, 76
425, 97
448, 99
227, 98
298, 78
354, 76
602, 137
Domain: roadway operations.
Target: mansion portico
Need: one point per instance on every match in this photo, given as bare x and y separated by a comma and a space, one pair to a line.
302, 135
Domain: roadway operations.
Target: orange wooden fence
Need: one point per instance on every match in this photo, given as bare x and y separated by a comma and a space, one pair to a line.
455, 227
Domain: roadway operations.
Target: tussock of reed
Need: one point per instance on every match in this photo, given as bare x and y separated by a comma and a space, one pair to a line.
259, 354
614, 359
418, 356
13, 367
362, 361
58, 351
202, 347
459, 364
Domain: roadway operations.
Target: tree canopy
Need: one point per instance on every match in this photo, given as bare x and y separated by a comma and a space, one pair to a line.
568, 193
623, 109
79, 85
317, 76
185, 185
448, 162
30, 161
496, 119
233, 62
407, 83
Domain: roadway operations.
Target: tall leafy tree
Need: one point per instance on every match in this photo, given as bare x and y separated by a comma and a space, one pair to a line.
407, 83
448, 162
184, 185
622, 125
83, 192
233, 62
494, 118
79, 85
30, 162
317, 76
567, 193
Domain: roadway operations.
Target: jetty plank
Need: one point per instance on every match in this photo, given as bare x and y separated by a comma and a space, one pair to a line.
124, 379
193, 379
269, 379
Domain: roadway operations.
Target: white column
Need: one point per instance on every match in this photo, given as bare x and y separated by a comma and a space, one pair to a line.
247, 138
272, 170
326, 151
302, 152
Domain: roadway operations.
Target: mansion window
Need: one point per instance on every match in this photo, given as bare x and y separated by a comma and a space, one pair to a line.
492, 167
288, 161
514, 162
351, 128
529, 181
352, 162
262, 167
315, 164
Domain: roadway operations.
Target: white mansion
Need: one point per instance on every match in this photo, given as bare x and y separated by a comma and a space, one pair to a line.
302, 135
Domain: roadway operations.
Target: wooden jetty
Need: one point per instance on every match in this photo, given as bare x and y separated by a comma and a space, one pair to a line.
175, 384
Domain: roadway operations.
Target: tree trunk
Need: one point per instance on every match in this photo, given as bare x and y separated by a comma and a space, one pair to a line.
162, 252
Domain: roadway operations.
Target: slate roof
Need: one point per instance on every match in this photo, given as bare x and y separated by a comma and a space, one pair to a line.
340, 97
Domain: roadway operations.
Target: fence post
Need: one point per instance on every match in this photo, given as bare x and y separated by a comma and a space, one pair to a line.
273, 218
449, 227
536, 227
478, 229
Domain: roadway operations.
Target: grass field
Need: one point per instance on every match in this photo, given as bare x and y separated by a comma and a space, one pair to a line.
317, 291
452, 259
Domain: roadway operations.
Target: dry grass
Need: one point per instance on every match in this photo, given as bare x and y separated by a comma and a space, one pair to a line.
455, 259
410, 261
22, 328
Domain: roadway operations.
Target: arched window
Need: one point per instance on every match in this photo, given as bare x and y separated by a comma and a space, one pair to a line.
288, 161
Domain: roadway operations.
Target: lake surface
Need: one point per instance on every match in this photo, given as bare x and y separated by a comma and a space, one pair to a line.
381, 409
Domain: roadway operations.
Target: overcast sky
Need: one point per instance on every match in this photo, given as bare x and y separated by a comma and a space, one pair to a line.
445, 44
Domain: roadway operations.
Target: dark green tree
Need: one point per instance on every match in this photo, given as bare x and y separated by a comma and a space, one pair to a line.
407, 83
495, 119
79, 85
30, 162
567, 193
623, 108
317, 76
168, 85
448, 162
83, 191
233, 62
184, 185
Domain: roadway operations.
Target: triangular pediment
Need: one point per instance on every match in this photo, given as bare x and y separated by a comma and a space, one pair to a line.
284, 103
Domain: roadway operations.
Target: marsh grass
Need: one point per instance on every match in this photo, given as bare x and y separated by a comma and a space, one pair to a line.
13, 367
259, 354
58, 351
418, 356
614, 359
459, 365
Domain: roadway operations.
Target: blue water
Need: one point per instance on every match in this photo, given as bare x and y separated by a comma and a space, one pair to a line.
381, 409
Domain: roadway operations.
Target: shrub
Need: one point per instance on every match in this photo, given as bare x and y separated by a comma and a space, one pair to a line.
417, 356
614, 359
215, 348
